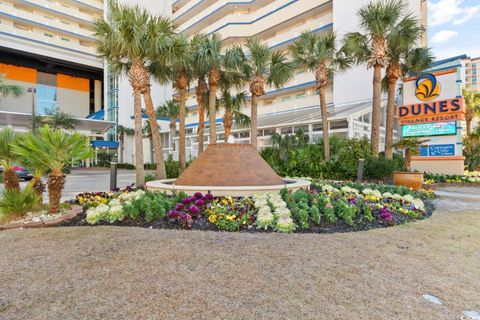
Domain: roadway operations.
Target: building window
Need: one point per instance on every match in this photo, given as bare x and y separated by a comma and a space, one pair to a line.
301, 128
46, 93
268, 132
339, 125
269, 102
317, 127
65, 39
49, 35
286, 130
301, 95
286, 99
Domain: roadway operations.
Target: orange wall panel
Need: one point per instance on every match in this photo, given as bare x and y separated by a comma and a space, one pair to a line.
74, 83
18, 73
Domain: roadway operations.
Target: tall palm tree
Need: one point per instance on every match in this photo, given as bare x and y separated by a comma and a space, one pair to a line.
131, 40
53, 149
170, 109
179, 70
7, 89
233, 111
263, 67
405, 58
213, 61
377, 20
200, 72
472, 107
10, 178
319, 54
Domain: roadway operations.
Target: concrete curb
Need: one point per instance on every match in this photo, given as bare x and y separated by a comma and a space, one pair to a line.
75, 211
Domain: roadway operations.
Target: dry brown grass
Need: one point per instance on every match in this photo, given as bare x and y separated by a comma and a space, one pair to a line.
131, 273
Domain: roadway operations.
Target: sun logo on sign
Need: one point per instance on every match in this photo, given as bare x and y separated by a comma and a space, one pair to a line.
427, 87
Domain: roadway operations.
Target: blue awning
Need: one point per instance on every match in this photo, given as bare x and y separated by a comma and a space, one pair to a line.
103, 143
99, 115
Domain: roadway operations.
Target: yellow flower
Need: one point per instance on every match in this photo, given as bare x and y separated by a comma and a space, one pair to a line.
212, 218
230, 217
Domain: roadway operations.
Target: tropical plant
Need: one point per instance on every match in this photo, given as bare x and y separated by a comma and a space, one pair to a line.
405, 57
170, 109
181, 76
138, 45
233, 112
411, 146
200, 72
7, 89
17, 203
55, 120
122, 132
10, 178
472, 107
38, 170
319, 54
54, 149
263, 67
286, 144
378, 19
213, 59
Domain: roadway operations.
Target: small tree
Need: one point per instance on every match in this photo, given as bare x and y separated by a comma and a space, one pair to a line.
411, 146
54, 149
170, 109
10, 178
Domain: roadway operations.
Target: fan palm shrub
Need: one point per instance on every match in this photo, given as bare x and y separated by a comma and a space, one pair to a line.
319, 53
54, 149
7, 89
378, 19
17, 203
10, 178
263, 67
137, 44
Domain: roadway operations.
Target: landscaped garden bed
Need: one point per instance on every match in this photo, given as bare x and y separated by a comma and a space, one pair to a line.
470, 178
324, 208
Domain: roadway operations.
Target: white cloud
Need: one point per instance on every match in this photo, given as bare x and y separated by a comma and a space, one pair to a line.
472, 51
443, 36
445, 11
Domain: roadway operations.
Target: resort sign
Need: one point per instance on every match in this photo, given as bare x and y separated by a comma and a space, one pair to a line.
427, 101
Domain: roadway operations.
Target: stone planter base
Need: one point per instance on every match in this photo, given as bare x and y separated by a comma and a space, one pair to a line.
76, 210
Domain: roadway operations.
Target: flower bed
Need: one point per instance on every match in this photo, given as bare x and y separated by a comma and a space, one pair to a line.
326, 207
469, 177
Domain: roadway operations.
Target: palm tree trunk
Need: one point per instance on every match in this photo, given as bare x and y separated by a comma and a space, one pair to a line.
56, 182
227, 123
253, 121
201, 87
155, 132
468, 123
122, 143
376, 108
212, 102
38, 186
181, 115
173, 121
325, 132
137, 105
10, 179
390, 119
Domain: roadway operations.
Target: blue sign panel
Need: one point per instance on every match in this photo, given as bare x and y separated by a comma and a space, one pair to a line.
430, 129
441, 150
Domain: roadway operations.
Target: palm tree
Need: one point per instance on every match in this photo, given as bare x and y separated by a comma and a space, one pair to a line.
10, 178
170, 109
132, 41
181, 76
233, 111
213, 61
38, 169
318, 53
263, 67
200, 71
55, 120
377, 19
9, 89
472, 107
53, 149
405, 59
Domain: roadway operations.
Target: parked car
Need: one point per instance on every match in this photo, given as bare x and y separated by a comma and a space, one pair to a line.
22, 173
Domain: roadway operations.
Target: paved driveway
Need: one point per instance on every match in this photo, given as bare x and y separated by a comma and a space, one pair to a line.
98, 179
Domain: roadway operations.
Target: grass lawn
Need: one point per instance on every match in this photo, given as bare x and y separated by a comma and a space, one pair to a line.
133, 273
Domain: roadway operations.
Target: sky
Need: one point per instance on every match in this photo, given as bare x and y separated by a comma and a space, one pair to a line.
454, 28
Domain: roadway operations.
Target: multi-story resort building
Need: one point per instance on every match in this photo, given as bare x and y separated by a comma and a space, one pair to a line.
278, 24
48, 45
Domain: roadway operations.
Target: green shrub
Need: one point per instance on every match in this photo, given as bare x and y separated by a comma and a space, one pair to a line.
17, 203
150, 177
152, 206
381, 168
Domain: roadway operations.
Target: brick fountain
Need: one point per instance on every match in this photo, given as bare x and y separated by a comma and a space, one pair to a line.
228, 169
